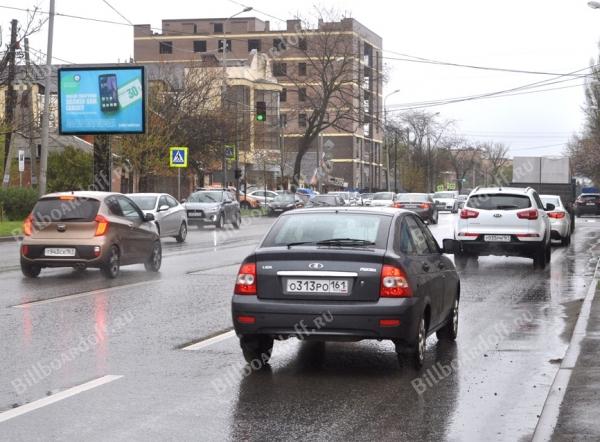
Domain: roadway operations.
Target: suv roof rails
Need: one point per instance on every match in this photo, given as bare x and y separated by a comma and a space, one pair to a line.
529, 188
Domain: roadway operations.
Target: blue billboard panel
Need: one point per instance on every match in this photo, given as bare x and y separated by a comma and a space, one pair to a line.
101, 100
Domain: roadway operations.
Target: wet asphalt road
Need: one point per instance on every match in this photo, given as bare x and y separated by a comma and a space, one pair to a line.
67, 328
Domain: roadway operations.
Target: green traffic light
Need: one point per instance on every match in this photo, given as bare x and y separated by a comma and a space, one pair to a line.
260, 118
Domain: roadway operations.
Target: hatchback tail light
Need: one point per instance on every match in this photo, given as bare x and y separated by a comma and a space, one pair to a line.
24, 250
467, 213
102, 226
245, 283
27, 226
394, 283
530, 214
556, 215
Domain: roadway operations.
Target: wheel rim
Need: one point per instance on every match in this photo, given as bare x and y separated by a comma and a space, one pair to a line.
421, 341
183, 231
220, 222
114, 261
455, 317
156, 256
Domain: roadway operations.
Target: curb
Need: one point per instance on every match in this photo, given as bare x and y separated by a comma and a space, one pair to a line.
7, 239
544, 429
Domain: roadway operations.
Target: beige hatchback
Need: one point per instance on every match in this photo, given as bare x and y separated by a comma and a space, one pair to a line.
89, 229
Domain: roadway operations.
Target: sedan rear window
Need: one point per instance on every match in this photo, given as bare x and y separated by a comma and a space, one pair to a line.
412, 197
319, 226
499, 202
383, 196
589, 197
67, 208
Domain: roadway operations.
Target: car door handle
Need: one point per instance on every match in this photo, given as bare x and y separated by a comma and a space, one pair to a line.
426, 267
441, 265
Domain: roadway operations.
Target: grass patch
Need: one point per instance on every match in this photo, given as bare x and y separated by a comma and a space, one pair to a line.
7, 227
254, 212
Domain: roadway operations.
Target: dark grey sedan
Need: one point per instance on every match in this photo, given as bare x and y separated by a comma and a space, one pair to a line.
420, 203
347, 274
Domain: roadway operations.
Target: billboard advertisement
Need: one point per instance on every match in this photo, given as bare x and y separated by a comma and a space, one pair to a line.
107, 100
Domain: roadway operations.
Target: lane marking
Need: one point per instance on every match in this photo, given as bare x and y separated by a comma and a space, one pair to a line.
14, 412
210, 341
84, 294
544, 429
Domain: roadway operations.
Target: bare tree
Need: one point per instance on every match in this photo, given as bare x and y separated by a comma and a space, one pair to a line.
495, 155
462, 158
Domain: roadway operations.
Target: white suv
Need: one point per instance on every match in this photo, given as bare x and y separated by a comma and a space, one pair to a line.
503, 221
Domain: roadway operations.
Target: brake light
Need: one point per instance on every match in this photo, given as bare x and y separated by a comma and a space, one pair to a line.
556, 215
24, 250
528, 214
468, 234
102, 226
389, 322
246, 280
246, 319
394, 283
66, 198
425, 206
27, 225
467, 213
398, 205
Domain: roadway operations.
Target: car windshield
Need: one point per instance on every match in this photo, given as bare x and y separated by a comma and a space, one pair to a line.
284, 198
144, 202
551, 200
499, 202
444, 195
318, 226
412, 197
206, 197
383, 196
65, 209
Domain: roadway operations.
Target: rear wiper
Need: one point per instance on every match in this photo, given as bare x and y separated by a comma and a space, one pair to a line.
300, 243
345, 242
74, 218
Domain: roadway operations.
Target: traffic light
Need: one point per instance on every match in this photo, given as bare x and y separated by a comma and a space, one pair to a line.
261, 111
238, 174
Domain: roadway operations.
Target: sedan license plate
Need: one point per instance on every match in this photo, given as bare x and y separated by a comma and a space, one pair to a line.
195, 215
497, 238
325, 286
590, 204
55, 251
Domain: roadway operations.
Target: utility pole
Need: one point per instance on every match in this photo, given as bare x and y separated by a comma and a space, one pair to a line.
9, 109
46, 113
30, 117
395, 162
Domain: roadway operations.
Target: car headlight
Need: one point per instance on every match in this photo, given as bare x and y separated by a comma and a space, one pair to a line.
213, 210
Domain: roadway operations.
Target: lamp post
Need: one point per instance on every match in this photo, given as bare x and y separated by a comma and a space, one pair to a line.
224, 85
387, 150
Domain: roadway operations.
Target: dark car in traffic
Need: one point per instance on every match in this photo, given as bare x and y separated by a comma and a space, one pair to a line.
327, 200
587, 204
347, 274
89, 229
420, 203
284, 202
213, 207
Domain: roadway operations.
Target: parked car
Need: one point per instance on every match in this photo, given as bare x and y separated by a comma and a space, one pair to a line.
420, 203
89, 229
560, 219
366, 198
460, 201
327, 200
263, 196
248, 202
587, 204
505, 221
383, 199
170, 216
213, 207
284, 202
350, 198
446, 201
377, 273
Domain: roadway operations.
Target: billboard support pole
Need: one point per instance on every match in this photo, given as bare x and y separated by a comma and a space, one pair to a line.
102, 169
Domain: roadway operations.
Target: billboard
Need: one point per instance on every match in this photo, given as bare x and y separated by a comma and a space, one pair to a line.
107, 100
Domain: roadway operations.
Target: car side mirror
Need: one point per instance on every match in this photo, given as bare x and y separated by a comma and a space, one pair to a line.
163, 208
450, 246
550, 207
148, 217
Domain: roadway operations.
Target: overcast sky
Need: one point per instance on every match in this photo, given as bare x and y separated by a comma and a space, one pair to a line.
553, 36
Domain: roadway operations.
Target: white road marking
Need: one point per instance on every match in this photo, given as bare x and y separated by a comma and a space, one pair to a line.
9, 414
210, 341
84, 294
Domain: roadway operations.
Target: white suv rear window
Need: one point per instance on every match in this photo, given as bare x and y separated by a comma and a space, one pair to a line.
488, 201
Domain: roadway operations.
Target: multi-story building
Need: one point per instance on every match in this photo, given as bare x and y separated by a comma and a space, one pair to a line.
354, 151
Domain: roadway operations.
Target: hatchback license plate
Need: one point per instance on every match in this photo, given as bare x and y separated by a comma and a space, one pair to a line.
497, 238
59, 252
328, 286
195, 215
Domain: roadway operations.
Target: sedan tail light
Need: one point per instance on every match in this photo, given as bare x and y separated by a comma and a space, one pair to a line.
398, 205
467, 213
246, 279
394, 283
102, 226
530, 214
556, 215
425, 206
27, 226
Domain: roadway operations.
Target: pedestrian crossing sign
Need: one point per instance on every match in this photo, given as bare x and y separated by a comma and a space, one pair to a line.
178, 156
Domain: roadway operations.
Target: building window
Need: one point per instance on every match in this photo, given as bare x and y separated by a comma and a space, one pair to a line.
301, 120
282, 120
195, 28
227, 45
200, 46
302, 69
279, 69
302, 44
218, 28
283, 95
165, 47
302, 94
254, 44
279, 44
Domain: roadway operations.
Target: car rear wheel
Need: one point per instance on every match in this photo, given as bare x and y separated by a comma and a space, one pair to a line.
113, 263
30, 270
548, 253
245, 205
256, 348
460, 261
155, 260
566, 240
539, 258
237, 221
449, 331
182, 233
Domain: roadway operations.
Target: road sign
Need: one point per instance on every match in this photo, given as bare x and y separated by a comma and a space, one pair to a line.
440, 188
21, 161
451, 186
229, 152
178, 156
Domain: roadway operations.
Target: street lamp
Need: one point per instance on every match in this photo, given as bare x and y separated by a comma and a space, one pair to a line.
384, 137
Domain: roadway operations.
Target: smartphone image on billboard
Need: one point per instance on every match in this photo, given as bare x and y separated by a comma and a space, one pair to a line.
109, 97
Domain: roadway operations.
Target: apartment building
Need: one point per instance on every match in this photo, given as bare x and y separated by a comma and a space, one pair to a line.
353, 153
